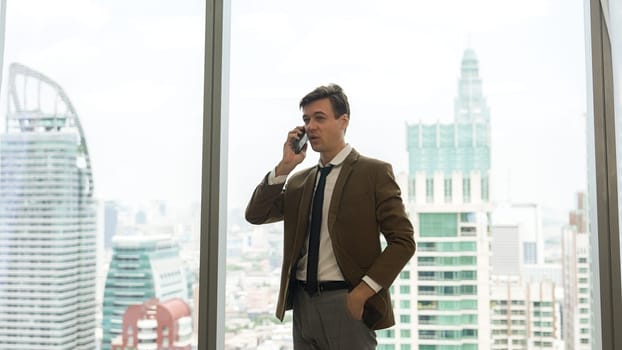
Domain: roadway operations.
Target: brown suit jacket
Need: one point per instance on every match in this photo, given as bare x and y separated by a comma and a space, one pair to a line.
366, 202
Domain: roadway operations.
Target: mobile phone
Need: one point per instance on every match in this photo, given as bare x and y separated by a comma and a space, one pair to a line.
297, 145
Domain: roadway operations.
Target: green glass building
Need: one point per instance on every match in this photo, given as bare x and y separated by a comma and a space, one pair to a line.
442, 296
142, 267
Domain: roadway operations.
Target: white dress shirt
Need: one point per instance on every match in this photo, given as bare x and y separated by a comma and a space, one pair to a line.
328, 269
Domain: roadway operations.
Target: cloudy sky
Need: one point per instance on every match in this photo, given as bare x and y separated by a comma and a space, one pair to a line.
134, 70
399, 64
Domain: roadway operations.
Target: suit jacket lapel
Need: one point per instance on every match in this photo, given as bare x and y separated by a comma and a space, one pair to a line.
339, 185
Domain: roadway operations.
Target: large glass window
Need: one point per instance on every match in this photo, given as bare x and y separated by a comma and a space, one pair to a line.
99, 195
490, 96
100, 170
439, 225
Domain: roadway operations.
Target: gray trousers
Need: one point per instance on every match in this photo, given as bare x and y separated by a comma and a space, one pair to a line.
323, 322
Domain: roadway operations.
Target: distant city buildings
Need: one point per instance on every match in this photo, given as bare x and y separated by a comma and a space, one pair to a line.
517, 244
523, 315
527, 293
516, 237
577, 280
142, 267
506, 252
156, 325
47, 221
253, 265
111, 223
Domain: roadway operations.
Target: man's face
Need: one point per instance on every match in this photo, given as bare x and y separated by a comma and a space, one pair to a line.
326, 133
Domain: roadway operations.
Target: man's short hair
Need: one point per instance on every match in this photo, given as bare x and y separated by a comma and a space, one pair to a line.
334, 92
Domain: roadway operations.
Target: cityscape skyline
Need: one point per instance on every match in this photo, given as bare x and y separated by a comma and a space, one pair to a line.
132, 176
524, 172
451, 294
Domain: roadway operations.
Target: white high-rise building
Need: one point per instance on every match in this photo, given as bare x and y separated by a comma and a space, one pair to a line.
577, 288
506, 252
518, 244
47, 221
523, 315
441, 299
526, 218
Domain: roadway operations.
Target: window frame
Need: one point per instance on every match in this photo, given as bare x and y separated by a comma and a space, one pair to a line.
214, 175
602, 180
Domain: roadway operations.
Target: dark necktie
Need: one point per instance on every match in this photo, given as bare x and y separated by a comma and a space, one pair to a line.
314, 232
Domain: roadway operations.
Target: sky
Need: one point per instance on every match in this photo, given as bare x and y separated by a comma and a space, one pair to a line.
134, 72
400, 64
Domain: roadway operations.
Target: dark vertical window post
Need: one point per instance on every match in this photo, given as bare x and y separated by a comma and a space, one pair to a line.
603, 189
214, 176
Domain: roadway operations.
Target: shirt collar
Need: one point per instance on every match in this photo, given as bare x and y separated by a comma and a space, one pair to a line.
339, 158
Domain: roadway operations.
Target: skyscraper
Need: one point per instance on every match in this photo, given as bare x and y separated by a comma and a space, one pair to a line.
47, 220
441, 297
576, 274
527, 219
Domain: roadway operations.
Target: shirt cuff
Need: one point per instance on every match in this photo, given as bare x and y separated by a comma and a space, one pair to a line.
276, 180
372, 284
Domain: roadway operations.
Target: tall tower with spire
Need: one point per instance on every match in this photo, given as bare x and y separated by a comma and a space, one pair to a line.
442, 296
47, 220
470, 105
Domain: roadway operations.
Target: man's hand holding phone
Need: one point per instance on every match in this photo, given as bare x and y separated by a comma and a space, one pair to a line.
294, 151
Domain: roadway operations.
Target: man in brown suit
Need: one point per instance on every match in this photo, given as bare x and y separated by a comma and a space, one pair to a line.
335, 274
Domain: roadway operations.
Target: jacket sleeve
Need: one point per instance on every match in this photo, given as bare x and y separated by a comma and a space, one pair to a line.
394, 224
266, 204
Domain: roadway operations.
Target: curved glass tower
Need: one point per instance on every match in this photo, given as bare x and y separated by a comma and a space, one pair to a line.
47, 220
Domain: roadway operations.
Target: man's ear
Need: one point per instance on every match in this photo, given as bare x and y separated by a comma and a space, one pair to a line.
346, 120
